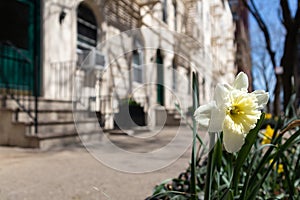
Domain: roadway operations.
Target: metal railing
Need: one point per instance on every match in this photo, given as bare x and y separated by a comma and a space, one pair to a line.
62, 80
18, 80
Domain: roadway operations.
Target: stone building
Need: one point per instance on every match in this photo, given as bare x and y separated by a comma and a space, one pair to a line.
78, 61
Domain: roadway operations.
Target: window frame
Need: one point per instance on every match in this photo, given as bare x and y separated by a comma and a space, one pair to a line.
137, 68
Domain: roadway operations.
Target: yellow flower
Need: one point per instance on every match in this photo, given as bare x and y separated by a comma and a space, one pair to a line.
280, 167
269, 132
268, 116
233, 111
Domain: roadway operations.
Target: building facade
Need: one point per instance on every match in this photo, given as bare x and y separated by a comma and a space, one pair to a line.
96, 54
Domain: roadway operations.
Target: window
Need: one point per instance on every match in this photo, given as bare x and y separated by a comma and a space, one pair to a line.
137, 59
189, 83
164, 11
204, 87
86, 27
174, 75
160, 78
137, 66
175, 14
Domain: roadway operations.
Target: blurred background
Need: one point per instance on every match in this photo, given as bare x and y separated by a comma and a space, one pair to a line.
98, 54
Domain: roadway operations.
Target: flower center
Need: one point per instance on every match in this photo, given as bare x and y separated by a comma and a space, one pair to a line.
235, 110
242, 111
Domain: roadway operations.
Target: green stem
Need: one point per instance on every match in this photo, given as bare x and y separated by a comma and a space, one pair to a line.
208, 182
194, 195
193, 169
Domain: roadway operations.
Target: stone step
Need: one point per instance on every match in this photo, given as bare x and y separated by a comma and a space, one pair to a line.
82, 126
46, 141
52, 115
43, 104
50, 133
13, 134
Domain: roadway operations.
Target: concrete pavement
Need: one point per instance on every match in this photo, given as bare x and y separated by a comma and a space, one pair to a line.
74, 174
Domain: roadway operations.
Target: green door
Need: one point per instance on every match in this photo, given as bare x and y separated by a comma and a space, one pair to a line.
160, 78
18, 40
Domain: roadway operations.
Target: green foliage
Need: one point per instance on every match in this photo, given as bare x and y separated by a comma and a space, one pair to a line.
257, 171
129, 101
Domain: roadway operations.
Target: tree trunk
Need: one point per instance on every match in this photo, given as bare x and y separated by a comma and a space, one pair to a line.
288, 62
276, 104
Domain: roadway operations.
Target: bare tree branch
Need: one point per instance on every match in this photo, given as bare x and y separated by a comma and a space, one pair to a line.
262, 25
286, 13
280, 16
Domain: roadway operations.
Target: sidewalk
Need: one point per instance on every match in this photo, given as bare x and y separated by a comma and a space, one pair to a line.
74, 174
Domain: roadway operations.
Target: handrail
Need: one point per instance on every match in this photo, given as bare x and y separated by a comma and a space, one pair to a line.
10, 44
17, 87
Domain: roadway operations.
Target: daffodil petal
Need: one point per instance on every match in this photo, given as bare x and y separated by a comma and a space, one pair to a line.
262, 98
216, 124
233, 138
221, 94
203, 114
241, 81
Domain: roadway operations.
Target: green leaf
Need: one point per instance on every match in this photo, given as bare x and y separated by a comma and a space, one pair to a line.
244, 152
228, 195
297, 167
179, 197
195, 85
161, 187
210, 168
217, 155
287, 176
246, 182
291, 108
267, 155
277, 155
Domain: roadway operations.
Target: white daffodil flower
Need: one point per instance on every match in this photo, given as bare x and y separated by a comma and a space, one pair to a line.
233, 111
